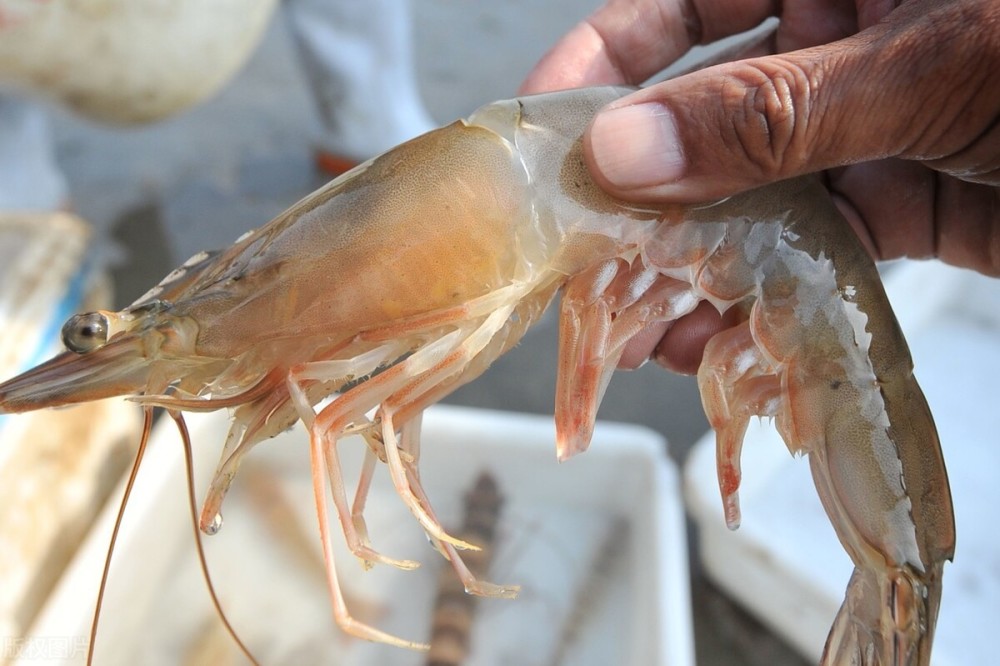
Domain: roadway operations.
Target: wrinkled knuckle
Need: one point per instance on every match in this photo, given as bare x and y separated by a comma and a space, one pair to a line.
978, 161
771, 115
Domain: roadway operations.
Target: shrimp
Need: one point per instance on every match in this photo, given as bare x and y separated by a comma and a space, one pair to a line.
409, 275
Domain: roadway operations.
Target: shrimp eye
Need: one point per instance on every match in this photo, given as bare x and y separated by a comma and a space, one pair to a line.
85, 332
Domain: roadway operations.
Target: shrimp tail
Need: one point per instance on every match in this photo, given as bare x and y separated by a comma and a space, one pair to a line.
888, 617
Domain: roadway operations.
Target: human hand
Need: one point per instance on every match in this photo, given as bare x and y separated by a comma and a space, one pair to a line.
899, 107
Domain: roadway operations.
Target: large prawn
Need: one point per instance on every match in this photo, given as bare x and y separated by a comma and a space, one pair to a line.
409, 275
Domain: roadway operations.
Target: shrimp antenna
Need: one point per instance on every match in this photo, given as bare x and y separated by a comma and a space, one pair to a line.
199, 545
147, 425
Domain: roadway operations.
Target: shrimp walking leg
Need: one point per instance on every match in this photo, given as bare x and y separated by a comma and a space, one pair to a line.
410, 442
327, 435
341, 614
411, 398
361, 496
262, 414
408, 414
429, 368
523, 316
430, 364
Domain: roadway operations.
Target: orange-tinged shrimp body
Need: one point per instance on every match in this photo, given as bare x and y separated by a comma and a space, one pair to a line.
411, 274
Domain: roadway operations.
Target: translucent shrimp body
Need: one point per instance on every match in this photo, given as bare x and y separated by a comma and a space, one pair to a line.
411, 274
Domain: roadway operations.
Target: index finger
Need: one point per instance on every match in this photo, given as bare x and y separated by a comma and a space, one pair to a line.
628, 41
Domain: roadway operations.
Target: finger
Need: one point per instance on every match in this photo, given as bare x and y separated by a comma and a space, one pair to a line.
578, 59
880, 195
628, 41
681, 348
903, 209
967, 225
906, 87
641, 346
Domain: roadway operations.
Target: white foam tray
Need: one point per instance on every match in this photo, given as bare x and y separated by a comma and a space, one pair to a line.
785, 563
554, 519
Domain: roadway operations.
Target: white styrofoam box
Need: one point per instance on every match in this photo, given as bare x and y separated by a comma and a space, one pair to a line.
554, 520
785, 563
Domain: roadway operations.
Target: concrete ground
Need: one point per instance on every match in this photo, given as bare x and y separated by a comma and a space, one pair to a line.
160, 194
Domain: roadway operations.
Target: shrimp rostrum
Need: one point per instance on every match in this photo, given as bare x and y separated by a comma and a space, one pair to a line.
409, 275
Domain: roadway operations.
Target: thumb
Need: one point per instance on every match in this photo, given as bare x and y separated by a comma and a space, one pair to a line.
920, 85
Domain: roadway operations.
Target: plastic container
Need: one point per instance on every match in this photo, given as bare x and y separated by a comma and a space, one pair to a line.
266, 566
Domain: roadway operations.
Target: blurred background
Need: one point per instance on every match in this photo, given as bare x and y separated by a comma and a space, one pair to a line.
159, 193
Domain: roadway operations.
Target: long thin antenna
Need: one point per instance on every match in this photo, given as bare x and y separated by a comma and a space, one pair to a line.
192, 504
147, 425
